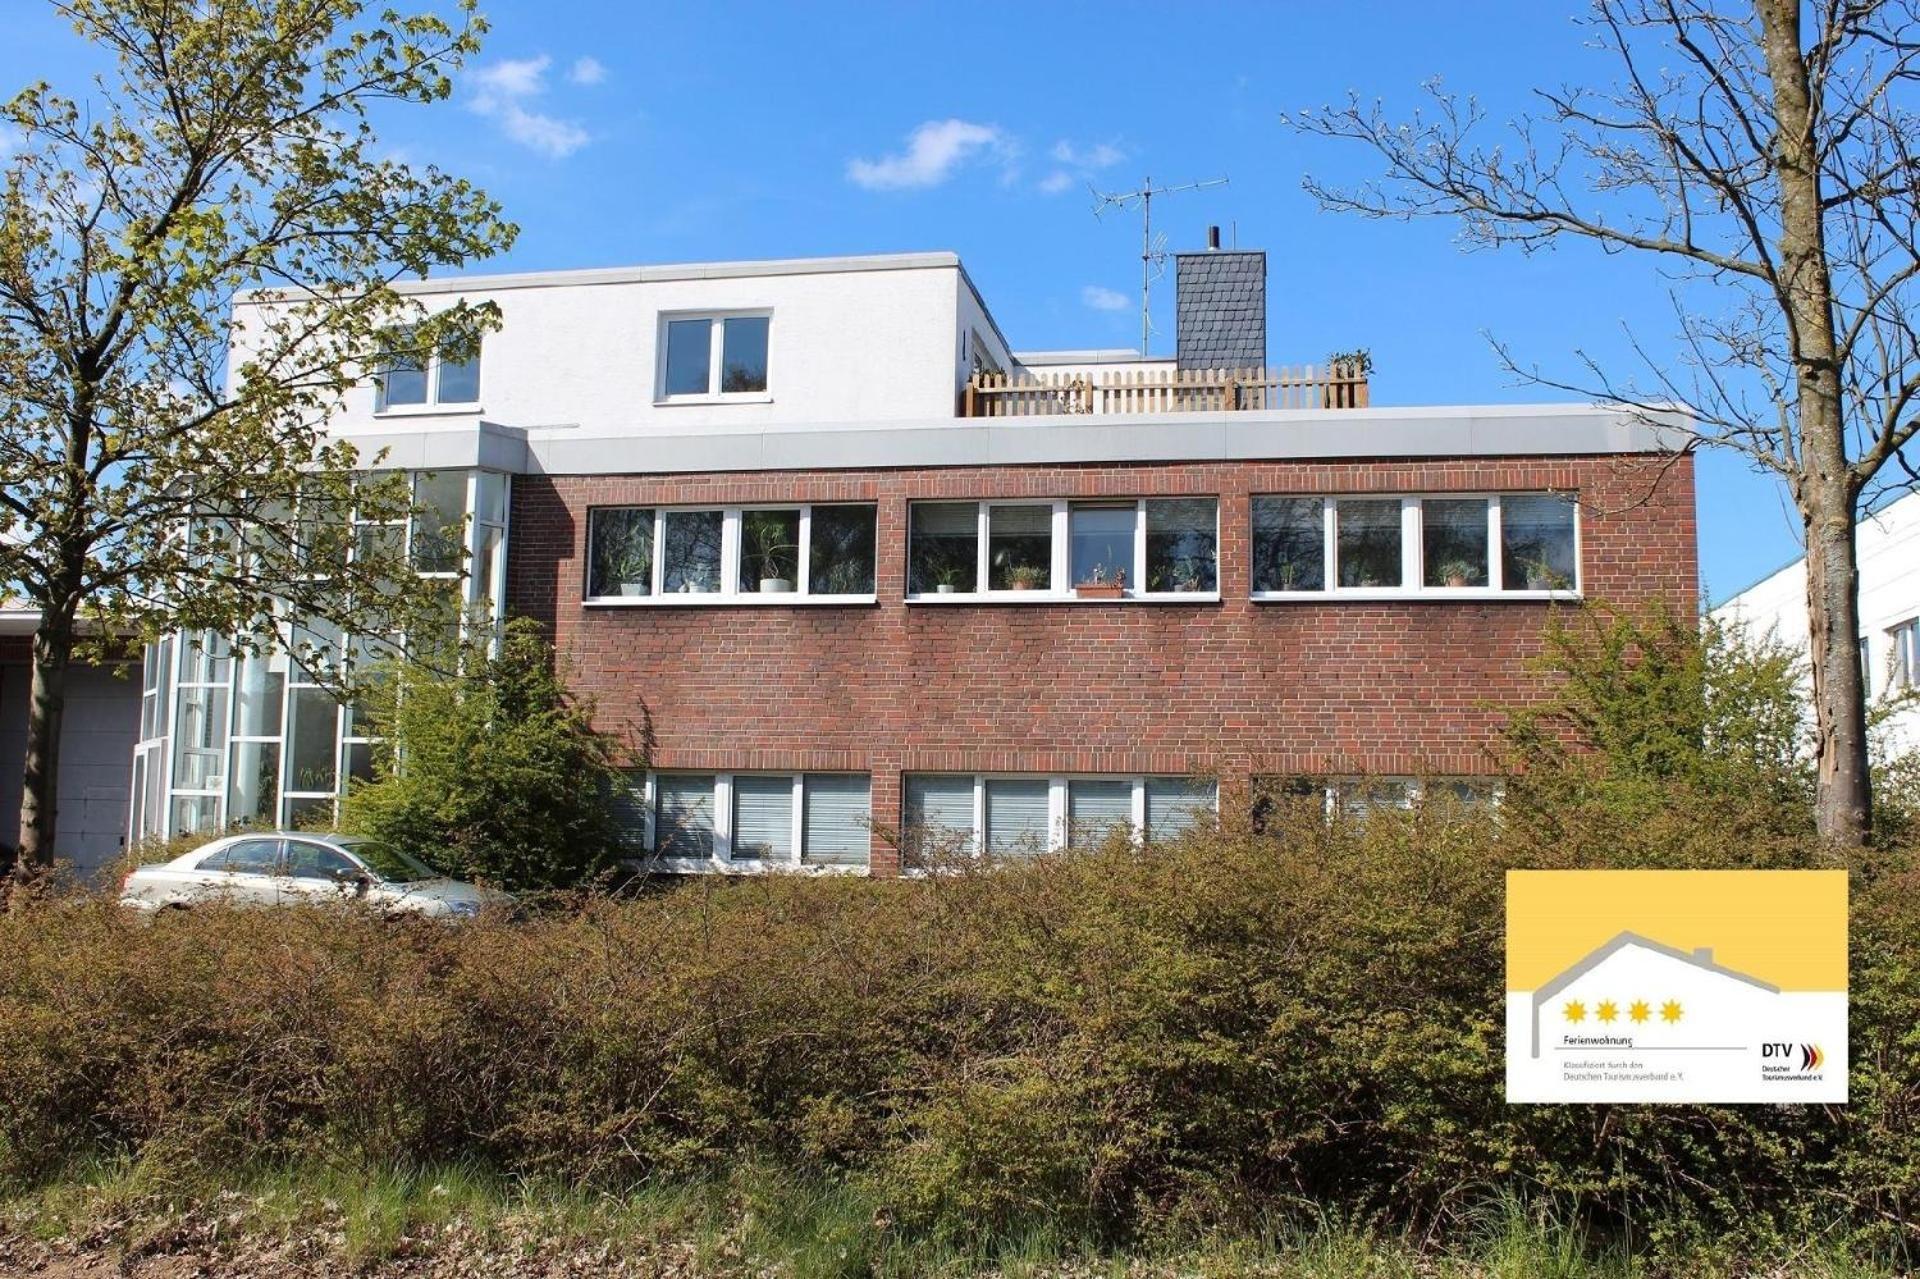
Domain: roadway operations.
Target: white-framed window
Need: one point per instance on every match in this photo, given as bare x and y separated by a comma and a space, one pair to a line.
1441, 546
231, 738
1054, 549
1905, 665
956, 815
801, 553
714, 356
411, 380
750, 821
1355, 797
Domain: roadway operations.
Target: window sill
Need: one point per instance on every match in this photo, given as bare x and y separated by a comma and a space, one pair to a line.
1057, 597
738, 866
429, 410
743, 397
1434, 595
692, 599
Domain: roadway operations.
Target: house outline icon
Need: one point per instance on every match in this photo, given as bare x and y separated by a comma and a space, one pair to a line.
1701, 958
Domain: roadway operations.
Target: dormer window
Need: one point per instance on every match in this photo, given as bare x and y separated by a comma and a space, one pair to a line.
412, 380
709, 357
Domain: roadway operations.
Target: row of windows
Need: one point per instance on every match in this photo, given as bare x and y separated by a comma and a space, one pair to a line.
805, 551
755, 819
960, 814
701, 357
1051, 549
775, 820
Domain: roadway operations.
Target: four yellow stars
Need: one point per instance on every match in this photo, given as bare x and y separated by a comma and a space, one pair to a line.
1608, 1012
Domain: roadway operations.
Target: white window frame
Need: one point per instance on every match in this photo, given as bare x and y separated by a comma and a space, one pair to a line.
723, 859
730, 556
163, 662
433, 403
1330, 789
1412, 552
1904, 664
1060, 588
716, 358
1057, 809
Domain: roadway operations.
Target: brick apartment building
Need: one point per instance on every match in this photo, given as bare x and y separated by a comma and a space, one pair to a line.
853, 566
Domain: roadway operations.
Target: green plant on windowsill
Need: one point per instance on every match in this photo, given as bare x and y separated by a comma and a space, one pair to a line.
769, 548
1102, 583
1459, 573
623, 557
1025, 577
1543, 576
947, 577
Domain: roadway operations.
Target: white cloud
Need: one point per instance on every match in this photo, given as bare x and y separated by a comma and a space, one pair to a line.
501, 91
1101, 298
587, 71
1078, 163
1101, 155
934, 151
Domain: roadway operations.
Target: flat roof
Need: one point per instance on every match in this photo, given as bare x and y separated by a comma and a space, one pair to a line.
745, 269
1448, 431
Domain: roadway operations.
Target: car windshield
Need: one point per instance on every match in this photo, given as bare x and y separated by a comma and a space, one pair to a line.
390, 863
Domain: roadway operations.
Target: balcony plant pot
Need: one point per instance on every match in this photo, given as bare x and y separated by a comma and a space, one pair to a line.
943, 588
1099, 590
1456, 580
776, 585
632, 588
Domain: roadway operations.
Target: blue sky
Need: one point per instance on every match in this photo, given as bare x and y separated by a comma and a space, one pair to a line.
621, 132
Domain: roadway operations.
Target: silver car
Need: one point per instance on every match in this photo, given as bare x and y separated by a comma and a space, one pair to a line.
293, 868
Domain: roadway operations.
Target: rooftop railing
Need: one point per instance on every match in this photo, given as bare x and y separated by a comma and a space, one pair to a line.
1336, 386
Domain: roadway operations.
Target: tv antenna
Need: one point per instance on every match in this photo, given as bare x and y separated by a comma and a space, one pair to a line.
1153, 253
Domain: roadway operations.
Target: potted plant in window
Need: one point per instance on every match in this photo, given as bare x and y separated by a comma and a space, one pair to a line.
623, 551
1024, 577
946, 578
776, 556
1542, 576
1186, 576
1459, 573
1099, 586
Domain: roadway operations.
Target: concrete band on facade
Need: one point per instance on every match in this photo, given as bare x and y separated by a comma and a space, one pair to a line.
1297, 435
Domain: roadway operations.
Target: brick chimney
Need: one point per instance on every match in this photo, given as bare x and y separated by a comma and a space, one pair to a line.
1220, 299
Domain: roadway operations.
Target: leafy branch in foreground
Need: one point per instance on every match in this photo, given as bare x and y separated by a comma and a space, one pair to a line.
226, 167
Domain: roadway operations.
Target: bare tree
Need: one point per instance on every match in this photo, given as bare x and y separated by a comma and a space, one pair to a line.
1765, 153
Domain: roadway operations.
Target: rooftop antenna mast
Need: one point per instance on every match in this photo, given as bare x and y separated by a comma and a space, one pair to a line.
1153, 253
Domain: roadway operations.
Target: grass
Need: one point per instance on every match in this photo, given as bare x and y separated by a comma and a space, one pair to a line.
759, 1221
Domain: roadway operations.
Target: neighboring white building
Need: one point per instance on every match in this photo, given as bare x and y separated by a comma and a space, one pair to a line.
1889, 542
96, 748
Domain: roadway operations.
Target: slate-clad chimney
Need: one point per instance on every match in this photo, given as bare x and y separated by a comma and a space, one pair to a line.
1220, 300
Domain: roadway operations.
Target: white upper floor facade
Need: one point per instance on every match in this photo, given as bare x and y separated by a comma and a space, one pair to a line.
1889, 559
670, 348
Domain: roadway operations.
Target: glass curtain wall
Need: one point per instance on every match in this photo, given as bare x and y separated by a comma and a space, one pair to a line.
231, 739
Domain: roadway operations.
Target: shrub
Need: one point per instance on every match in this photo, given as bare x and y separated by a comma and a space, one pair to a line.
494, 773
1210, 1034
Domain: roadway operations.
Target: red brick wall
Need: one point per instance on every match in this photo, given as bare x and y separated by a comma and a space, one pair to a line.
1236, 688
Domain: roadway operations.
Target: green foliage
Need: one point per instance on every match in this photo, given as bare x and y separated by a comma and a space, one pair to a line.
1648, 712
1214, 1036
494, 773
228, 148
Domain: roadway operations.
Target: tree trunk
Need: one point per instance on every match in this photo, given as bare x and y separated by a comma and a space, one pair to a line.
1843, 802
1824, 489
46, 709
